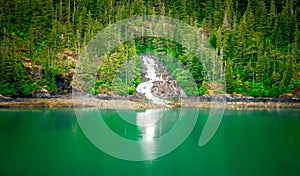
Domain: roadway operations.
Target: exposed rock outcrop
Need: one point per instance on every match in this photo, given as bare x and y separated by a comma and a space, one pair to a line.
63, 82
43, 93
4, 98
166, 89
163, 86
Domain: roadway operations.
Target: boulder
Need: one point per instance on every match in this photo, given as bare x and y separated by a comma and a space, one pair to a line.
103, 97
41, 95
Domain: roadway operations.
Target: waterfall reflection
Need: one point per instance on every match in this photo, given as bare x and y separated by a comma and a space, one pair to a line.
147, 122
154, 123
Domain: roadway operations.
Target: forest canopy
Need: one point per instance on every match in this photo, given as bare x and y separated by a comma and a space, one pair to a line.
257, 42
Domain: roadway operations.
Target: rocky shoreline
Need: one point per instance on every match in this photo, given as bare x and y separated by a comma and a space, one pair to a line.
156, 81
139, 102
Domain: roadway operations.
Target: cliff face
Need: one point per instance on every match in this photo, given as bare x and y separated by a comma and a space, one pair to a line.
63, 82
49, 81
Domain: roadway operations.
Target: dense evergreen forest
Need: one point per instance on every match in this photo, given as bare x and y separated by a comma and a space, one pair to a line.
257, 42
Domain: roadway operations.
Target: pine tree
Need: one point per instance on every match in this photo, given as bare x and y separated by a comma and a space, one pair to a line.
229, 78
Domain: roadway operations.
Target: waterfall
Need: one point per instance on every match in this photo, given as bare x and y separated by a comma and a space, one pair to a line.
145, 87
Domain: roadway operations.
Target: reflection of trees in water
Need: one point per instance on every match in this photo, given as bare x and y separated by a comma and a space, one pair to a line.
18, 119
12, 122
63, 123
42, 119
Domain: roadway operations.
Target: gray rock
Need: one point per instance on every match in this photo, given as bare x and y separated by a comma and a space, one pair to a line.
41, 95
103, 97
4, 98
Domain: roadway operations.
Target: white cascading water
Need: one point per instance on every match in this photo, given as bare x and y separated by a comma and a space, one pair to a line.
145, 87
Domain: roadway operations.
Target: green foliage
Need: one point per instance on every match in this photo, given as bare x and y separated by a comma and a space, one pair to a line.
257, 44
203, 90
257, 90
125, 73
213, 41
275, 91
28, 88
6, 89
181, 74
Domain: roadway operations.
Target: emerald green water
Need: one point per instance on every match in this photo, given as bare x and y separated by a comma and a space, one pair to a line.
248, 142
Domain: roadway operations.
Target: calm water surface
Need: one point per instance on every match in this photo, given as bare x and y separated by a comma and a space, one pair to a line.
248, 142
